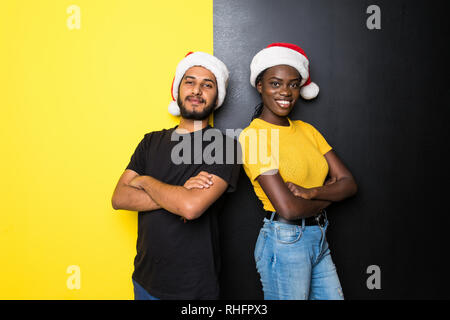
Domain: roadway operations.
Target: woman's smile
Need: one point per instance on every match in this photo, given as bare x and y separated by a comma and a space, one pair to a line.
279, 89
284, 104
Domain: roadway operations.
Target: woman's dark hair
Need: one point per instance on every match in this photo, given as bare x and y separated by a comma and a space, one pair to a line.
259, 107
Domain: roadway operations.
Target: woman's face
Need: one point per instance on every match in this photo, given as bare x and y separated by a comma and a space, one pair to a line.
279, 89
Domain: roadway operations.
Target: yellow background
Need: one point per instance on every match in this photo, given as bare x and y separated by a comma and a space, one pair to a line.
74, 105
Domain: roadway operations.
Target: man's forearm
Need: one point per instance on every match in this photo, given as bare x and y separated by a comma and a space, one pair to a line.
130, 198
170, 197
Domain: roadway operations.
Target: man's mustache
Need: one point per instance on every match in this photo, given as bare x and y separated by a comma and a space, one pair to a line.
188, 98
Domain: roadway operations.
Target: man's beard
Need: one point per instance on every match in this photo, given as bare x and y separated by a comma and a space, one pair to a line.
196, 115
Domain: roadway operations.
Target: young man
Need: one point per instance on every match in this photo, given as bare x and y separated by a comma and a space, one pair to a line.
176, 187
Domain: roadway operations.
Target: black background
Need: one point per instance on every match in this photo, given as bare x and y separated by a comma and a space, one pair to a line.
383, 107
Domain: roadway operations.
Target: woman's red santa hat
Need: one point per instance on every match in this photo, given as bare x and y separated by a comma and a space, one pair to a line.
285, 54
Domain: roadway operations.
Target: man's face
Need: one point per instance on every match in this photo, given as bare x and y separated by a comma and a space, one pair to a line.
197, 95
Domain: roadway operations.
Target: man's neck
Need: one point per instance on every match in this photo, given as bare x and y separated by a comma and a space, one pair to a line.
192, 125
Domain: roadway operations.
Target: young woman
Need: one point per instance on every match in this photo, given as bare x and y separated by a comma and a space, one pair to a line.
288, 162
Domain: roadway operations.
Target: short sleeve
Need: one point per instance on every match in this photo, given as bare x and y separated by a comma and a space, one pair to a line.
138, 159
322, 144
252, 162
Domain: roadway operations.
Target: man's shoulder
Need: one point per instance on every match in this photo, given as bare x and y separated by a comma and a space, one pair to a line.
158, 133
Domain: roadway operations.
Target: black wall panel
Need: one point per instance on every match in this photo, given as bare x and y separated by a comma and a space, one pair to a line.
383, 107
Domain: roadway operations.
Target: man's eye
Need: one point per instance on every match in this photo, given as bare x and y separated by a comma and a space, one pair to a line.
207, 85
188, 82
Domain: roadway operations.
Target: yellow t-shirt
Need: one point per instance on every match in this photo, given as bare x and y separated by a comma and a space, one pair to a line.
296, 151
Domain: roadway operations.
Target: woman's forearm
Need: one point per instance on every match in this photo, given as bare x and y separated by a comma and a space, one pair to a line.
285, 202
306, 208
343, 188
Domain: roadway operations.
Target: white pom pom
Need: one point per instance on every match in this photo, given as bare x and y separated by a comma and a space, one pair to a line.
174, 109
310, 91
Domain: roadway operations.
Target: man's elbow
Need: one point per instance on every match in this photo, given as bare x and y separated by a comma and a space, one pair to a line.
115, 202
191, 210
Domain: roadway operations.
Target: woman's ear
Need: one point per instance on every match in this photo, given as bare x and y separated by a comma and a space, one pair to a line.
259, 86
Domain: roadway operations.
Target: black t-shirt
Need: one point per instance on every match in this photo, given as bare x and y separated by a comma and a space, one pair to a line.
177, 259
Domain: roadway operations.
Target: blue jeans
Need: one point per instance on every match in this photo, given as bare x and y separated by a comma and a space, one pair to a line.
140, 293
294, 263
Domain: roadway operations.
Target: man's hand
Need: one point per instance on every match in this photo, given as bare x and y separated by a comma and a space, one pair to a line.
200, 181
136, 182
188, 202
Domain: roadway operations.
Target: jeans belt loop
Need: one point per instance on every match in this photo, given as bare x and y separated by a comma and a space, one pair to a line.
272, 216
303, 224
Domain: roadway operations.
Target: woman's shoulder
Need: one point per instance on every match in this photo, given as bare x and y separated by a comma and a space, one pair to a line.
253, 125
303, 125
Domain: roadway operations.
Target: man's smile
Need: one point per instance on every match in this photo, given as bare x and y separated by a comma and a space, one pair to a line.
195, 100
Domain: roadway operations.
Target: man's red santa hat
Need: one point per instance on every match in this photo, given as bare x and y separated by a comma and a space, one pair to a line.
202, 59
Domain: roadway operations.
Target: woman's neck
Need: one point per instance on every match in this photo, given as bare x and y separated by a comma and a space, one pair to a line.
272, 118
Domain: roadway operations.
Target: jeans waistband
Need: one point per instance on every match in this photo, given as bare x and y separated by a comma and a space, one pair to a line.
319, 219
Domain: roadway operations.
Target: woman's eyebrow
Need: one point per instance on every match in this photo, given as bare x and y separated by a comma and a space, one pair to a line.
295, 79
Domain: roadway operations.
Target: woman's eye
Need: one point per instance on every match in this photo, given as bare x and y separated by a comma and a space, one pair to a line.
207, 85
295, 85
275, 84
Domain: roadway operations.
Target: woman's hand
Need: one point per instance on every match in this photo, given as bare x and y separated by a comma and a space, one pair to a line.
301, 192
330, 181
306, 193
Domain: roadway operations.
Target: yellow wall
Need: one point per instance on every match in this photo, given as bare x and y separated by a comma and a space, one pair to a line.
74, 105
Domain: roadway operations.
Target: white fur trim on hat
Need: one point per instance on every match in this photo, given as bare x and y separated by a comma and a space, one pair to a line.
202, 59
174, 109
274, 56
309, 91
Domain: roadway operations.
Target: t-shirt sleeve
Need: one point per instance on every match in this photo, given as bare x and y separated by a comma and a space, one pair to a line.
255, 165
228, 172
322, 144
229, 169
138, 159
